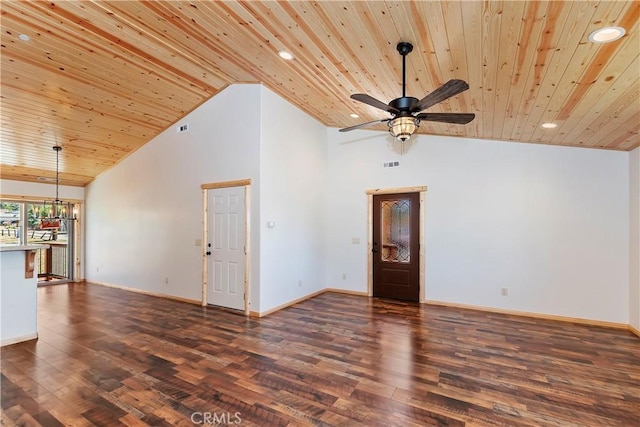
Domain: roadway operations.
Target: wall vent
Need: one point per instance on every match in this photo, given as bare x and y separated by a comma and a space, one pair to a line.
183, 128
390, 164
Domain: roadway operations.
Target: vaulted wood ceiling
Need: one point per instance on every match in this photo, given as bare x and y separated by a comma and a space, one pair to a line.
103, 78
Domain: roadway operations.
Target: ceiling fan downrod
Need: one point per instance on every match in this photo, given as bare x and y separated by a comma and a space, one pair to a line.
404, 48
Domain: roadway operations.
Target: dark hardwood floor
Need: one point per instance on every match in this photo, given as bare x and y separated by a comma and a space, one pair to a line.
109, 357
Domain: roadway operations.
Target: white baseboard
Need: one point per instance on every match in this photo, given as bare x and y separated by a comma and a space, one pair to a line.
580, 320
140, 291
304, 298
285, 305
16, 340
348, 292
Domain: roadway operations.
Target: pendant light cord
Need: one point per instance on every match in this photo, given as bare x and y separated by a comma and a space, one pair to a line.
57, 148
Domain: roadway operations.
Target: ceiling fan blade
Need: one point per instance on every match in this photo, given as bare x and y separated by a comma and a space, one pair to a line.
457, 118
361, 125
447, 90
369, 100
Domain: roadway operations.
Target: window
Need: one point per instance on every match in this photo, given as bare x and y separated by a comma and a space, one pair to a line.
10, 214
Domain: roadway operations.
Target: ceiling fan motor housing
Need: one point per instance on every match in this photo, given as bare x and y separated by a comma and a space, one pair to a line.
403, 104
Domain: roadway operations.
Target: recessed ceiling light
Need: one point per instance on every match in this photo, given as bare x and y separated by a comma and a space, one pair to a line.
549, 125
606, 34
354, 115
24, 37
285, 55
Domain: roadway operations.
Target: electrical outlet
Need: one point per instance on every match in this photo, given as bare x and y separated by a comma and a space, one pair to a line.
344, 276
166, 280
505, 292
299, 283
97, 269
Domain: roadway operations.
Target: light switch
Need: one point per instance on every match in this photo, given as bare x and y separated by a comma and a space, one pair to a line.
355, 240
198, 242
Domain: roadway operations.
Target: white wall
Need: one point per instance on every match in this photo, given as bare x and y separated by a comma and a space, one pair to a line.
292, 196
634, 238
145, 214
18, 299
40, 190
549, 223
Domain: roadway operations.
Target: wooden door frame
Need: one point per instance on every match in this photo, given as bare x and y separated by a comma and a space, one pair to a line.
246, 183
370, 193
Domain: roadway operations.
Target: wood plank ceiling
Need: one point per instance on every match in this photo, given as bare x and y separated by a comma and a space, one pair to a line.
103, 78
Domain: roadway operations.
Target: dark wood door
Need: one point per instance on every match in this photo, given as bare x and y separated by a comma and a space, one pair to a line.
396, 246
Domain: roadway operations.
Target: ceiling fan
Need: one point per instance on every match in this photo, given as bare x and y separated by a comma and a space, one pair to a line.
406, 111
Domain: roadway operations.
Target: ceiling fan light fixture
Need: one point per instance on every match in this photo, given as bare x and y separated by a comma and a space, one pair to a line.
549, 125
606, 34
401, 128
354, 115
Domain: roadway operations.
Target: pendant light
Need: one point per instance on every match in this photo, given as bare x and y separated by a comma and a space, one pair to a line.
54, 211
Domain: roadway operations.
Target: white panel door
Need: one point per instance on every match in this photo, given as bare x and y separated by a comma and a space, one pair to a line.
226, 244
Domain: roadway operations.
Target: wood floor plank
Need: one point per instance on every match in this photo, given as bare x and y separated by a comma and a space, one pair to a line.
108, 357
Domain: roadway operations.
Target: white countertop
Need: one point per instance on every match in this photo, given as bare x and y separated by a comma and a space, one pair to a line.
13, 248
